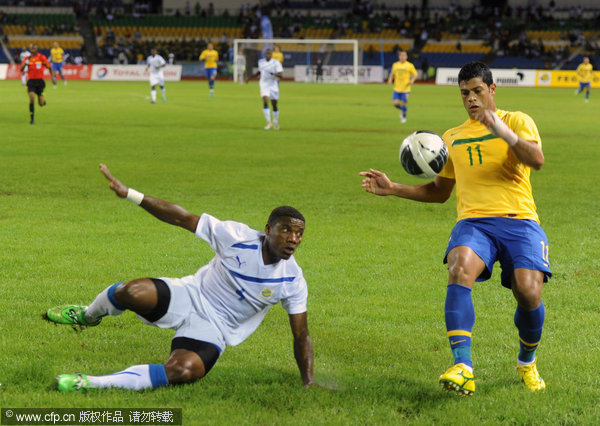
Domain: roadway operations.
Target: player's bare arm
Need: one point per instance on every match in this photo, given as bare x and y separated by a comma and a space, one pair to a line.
164, 210
303, 348
436, 191
528, 152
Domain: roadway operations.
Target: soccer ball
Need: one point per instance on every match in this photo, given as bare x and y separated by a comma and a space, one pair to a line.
423, 154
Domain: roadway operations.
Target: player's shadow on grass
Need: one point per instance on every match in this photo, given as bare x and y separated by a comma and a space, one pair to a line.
260, 384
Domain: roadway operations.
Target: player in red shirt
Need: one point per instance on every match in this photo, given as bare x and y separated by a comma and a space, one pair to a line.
35, 85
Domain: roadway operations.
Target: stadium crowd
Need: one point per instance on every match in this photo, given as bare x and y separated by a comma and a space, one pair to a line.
498, 25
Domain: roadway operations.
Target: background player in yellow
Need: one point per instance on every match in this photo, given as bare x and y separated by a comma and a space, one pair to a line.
210, 57
584, 71
277, 54
490, 157
56, 60
403, 75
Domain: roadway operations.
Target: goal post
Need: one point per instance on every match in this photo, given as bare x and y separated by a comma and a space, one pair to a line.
336, 58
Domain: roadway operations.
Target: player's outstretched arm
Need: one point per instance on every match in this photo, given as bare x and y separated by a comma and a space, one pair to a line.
436, 191
164, 210
303, 348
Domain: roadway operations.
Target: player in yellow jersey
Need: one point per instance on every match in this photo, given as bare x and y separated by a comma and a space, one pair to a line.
56, 60
277, 54
490, 158
584, 71
210, 57
403, 75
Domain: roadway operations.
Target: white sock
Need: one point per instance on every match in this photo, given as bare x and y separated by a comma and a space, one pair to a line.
104, 304
267, 114
136, 377
522, 363
153, 93
164, 92
276, 116
23, 79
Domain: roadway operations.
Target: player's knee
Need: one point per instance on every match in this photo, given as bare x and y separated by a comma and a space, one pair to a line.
528, 293
458, 273
137, 294
184, 369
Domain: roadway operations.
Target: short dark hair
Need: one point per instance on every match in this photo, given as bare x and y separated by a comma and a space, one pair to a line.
476, 69
284, 211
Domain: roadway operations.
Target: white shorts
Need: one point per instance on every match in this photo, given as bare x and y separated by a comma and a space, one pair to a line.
187, 318
157, 79
269, 90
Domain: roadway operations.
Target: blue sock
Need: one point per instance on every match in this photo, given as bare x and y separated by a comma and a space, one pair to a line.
460, 318
587, 95
404, 109
530, 324
211, 84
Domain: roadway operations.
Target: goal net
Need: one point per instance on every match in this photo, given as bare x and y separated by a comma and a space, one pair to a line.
308, 60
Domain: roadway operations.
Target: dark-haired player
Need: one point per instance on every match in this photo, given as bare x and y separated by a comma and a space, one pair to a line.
35, 64
490, 159
221, 304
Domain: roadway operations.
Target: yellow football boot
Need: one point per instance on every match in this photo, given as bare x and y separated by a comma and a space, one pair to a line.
530, 376
459, 379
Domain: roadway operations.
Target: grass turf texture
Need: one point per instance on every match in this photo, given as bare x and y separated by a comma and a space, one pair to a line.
373, 264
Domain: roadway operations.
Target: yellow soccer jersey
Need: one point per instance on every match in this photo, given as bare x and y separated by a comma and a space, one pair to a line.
278, 56
490, 179
402, 73
584, 71
211, 57
56, 53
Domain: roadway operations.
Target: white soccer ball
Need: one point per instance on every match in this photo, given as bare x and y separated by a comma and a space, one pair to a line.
423, 154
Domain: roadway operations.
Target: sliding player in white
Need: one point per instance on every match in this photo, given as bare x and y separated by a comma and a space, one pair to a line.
221, 304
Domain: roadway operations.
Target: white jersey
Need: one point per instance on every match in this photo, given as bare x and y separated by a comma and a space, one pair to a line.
267, 70
156, 64
241, 62
24, 55
236, 288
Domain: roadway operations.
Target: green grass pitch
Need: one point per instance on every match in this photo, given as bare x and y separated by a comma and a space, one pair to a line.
373, 264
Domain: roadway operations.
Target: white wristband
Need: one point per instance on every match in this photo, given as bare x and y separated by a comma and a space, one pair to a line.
134, 196
501, 130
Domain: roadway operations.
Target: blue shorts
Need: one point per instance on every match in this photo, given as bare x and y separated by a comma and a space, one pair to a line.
400, 96
515, 243
584, 85
211, 72
57, 66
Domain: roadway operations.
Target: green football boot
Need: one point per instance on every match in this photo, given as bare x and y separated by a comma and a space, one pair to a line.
73, 383
70, 315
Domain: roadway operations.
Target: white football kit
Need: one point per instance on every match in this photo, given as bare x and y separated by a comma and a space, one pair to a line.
227, 299
156, 64
269, 84
24, 55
